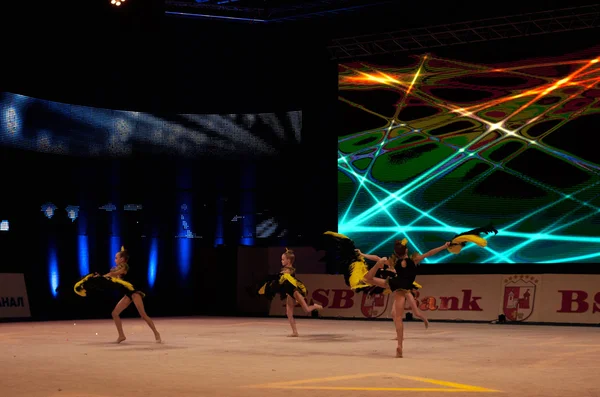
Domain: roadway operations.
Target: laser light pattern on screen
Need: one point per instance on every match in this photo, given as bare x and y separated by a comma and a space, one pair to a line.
387, 193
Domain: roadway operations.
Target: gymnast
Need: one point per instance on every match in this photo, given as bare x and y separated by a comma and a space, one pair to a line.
114, 279
289, 288
401, 284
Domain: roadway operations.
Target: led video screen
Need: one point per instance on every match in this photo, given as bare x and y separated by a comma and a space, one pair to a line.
230, 159
435, 146
54, 127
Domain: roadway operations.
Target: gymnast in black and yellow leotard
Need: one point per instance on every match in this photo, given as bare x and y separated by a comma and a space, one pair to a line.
113, 280
350, 261
402, 283
289, 288
386, 272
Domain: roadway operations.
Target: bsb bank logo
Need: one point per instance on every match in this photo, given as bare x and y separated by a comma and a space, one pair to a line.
373, 306
376, 305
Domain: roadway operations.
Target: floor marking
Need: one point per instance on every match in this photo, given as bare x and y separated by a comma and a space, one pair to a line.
302, 384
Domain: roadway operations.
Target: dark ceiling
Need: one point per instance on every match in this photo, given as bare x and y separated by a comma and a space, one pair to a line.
310, 18
337, 18
269, 10
79, 48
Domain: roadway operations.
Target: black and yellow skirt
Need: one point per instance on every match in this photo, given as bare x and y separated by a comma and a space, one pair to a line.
283, 284
344, 259
96, 283
392, 281
403, 284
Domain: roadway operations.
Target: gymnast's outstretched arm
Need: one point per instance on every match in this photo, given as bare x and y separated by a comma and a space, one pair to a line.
418, 258
370, 257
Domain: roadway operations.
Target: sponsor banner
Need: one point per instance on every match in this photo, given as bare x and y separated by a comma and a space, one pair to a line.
570, 298
548, 298
443, 297
330, 291
13, 296
521, 297
459, 297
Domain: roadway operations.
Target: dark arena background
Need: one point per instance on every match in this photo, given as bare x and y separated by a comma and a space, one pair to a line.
208, 137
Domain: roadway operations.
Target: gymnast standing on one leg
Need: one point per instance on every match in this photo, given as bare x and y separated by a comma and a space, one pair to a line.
415, 309
289, 288
350, 261
401, 284
389, 271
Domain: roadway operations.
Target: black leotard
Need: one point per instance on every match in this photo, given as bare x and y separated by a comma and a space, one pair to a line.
405, 276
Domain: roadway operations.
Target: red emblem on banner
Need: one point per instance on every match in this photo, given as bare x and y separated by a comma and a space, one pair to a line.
519, 297
373, 306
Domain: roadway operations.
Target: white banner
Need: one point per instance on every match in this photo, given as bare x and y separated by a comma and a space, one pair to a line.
13, 296
443, 297
571, 298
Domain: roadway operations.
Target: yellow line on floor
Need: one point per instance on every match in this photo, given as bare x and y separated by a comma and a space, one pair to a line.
296, 384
